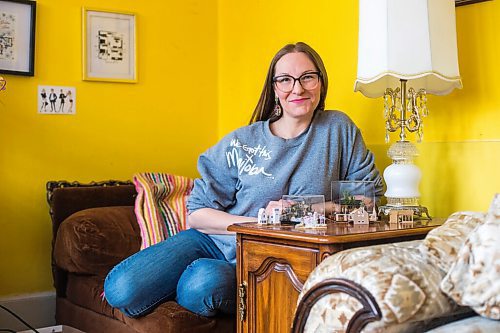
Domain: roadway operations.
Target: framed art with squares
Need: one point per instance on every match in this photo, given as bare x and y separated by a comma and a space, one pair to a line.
109, 46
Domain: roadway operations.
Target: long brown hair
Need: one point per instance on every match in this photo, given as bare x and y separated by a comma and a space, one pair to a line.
265, 106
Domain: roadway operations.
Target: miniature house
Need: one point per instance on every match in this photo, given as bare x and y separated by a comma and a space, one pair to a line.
359, 216
343, 215
400, 216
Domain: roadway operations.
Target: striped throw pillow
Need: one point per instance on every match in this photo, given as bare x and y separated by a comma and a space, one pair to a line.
160, 206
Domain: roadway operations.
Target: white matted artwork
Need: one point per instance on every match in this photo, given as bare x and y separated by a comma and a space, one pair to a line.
17, 37
56, 100
109, 46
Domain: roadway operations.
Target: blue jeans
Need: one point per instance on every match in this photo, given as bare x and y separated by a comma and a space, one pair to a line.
188, 267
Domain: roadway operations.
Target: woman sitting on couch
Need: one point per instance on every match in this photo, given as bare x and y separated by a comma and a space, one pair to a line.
292, 146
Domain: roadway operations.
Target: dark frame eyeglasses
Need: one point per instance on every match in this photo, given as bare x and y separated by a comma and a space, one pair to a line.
307, 81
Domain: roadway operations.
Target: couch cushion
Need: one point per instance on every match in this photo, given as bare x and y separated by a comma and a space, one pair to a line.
94, 240
169, 317
441, 245
86, 291
160, 205
474, 278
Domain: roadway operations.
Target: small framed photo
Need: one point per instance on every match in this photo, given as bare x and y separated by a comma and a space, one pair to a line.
109, 46
17, 37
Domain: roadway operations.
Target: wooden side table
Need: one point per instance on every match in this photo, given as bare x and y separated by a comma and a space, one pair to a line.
274, 261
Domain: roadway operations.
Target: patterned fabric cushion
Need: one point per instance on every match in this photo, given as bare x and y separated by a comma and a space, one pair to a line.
160, 206
442, 244
474, 278
332, 313
405, 286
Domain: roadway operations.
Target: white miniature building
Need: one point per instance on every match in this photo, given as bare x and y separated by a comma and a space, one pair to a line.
359, 216
262, 216
401, 216
343, 215
373, 216
312, 221
275, 217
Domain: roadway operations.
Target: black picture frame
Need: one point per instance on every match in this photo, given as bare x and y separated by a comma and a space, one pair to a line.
17, 45
467, 2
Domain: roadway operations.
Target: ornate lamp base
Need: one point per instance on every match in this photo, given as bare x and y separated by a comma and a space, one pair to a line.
402, 178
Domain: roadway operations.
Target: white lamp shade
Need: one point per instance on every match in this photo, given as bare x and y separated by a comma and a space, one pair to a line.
413, 40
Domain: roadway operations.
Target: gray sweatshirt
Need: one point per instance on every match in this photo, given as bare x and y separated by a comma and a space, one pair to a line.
250, 167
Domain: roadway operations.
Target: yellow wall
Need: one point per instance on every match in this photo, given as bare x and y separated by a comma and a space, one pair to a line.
460, 155
201, 68
161, 123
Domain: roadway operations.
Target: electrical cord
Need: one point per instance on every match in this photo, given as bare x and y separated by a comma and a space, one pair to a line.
7, 330
18, 318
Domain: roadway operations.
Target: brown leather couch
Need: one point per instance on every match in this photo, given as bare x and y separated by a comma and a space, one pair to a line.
94, 227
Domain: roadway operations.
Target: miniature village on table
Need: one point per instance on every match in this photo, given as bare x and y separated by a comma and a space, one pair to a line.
309, 212
352, 201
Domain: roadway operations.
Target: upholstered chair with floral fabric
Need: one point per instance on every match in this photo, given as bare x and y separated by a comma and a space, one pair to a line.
453, 275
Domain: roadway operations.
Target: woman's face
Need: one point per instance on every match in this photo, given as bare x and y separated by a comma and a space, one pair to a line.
298, 103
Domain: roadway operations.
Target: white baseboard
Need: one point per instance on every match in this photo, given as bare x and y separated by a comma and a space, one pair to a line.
38, 310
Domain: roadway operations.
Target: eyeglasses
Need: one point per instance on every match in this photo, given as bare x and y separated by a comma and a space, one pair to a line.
308, 81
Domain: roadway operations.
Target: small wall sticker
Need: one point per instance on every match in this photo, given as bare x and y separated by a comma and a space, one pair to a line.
56, 100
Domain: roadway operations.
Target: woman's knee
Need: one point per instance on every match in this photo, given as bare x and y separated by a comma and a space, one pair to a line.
120, 290
151, 274
208, 286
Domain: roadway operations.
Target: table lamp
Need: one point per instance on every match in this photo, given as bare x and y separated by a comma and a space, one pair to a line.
407, 49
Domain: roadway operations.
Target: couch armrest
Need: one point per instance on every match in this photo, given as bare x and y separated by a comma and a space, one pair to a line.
368, 312
363, 310
65, 198
94, 240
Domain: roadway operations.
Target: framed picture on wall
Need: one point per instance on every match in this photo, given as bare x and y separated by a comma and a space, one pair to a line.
109, 46
17, 37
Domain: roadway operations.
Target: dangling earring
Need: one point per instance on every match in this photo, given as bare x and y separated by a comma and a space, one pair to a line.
277, 107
